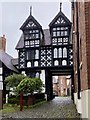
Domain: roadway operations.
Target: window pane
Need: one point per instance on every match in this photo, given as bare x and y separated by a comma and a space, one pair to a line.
37, 35
55, 53
64, 52
36, 54
56, 63
58, 33
58, 28
54, 33
54, 28
28, 64
60, 52
64, 62
36, 63
61, 33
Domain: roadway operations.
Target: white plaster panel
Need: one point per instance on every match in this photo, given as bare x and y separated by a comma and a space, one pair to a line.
1, 71
1, 85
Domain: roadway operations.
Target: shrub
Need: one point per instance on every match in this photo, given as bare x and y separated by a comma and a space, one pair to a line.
14, 80
29, 85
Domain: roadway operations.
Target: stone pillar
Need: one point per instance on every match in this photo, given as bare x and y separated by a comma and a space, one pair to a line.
48, 85
1, 87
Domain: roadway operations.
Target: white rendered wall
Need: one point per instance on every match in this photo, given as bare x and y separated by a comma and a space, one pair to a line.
75, 98
83, 105
42, 77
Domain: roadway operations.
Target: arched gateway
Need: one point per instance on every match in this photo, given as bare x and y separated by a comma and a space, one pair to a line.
46, 52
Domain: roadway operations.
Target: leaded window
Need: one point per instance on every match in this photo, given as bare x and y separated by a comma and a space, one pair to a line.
32, 54
64, 52
64, 62
55, 53
56, 62
36, 63
60, 52
32, 38
29, 64
36, 54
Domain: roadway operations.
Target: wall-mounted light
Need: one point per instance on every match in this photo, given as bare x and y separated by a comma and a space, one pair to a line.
80, 67
74, 32
76, 72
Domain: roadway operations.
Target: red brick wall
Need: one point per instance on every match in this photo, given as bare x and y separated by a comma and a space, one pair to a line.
84, 44
87, 25
74, 49
3, 43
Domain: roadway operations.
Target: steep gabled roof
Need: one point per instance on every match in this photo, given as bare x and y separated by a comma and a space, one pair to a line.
14, 61
20, 43
30, 18
47, 39
6, 60
60, 14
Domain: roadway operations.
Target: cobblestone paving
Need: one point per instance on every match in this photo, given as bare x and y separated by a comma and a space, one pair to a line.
60, 107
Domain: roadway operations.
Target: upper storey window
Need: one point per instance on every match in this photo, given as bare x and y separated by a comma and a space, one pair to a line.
32, 38
60, 31
31, 34
60, 28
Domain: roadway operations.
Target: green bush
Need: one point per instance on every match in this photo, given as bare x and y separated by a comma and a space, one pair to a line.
14, 80
29, 85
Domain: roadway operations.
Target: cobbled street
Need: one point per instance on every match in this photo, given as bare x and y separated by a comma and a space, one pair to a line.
60, 107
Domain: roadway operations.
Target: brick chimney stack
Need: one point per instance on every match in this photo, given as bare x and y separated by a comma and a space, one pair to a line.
3, 43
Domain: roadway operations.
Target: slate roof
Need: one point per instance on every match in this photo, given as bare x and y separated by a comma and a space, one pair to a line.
6, 60
47, 37
47, 40
20, 43
14, 61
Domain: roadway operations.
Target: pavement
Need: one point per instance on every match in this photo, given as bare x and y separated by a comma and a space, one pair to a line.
60, 107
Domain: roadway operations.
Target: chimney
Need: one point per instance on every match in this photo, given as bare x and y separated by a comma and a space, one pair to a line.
3, 43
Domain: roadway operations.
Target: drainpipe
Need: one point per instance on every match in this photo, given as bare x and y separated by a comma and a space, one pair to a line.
77, 43
72, 16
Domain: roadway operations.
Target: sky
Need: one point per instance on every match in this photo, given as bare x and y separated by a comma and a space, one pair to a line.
14, 14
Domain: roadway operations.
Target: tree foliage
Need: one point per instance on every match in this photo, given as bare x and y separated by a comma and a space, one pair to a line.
24, 84
14, 80
29, 85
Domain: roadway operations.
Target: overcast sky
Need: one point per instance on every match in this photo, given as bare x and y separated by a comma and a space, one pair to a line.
14, 14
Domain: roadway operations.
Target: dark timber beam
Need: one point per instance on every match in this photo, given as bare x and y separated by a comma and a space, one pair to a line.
48, 85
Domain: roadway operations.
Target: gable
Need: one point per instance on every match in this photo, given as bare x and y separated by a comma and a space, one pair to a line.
60, 19
30, 22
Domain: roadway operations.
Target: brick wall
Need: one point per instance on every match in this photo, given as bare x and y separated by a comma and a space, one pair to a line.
84, 44
74, 49
87, 25
3, 43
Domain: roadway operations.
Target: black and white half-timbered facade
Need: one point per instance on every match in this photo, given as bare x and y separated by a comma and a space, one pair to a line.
43, 53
